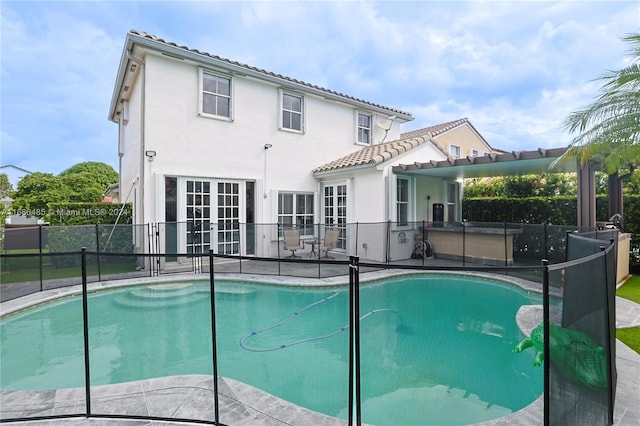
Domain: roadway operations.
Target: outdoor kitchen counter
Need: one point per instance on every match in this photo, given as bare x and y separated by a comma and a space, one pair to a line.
488, 246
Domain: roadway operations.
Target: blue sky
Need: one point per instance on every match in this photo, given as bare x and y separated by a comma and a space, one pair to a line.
515, 69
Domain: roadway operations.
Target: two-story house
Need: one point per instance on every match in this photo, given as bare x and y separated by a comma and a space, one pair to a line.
236, 153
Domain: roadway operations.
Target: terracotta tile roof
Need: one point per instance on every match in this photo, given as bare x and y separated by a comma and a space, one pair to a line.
266, 73
375, 154
437, 129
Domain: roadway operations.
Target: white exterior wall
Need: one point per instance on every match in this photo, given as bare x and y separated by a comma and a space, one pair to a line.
130, 152
165, 119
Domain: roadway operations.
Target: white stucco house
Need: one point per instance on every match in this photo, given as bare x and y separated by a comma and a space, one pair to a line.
238, 153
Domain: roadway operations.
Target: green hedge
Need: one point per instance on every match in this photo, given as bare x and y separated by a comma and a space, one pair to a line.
559, 210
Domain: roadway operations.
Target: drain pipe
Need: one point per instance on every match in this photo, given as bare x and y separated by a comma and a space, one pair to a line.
141, 63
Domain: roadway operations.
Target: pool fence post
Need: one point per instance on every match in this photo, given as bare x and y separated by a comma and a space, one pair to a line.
464, 242
388, 245
351, 328
318, 229
278, 244
354, 340
506, 250
214, 350
98, 251
545, 236
40, 254
85, 321
424, 237
610, 351
356, 318
546, 352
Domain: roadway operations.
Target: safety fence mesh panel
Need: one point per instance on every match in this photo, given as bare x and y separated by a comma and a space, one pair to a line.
582, 344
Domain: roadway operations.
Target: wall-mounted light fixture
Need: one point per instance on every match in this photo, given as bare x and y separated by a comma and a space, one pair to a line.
267, 145
150, 155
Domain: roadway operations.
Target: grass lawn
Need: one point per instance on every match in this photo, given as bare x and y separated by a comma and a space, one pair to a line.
630, 336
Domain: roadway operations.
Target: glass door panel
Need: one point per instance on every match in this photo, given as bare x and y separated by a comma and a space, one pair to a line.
335, 211
228, 232
198, 216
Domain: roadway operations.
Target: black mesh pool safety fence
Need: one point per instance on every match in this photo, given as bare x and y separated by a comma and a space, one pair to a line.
578, 346
582, 374
33, 259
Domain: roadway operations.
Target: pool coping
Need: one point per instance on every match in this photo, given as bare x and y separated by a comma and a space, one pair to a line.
628, 362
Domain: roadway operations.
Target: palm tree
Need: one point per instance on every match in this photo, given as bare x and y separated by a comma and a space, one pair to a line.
608, 131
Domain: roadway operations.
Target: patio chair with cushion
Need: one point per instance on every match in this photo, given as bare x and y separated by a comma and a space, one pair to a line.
330, 241
292, 241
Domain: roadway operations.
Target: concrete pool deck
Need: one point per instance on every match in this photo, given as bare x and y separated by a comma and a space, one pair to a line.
240, 404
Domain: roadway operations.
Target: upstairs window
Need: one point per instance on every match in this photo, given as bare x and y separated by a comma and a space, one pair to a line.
364, 128
454, 150
474, 153
292, 112
215, 95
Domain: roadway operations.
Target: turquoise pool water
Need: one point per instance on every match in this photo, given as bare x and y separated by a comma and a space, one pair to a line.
436, 349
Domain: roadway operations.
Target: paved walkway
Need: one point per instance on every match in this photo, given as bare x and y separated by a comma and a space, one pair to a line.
240, 404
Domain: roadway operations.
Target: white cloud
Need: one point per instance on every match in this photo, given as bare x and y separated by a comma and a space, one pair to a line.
515, 69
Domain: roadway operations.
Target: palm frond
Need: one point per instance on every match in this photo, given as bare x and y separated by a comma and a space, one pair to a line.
608, 130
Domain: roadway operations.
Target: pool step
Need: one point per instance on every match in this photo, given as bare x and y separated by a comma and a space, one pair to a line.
162, 296
165, 295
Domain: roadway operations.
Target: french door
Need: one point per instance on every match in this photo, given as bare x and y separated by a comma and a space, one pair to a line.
198, 216
334, 204
213, 216
228, 218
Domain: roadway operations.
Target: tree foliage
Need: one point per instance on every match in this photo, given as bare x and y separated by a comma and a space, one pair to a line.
36, 191
608, 130
5, 186
632, 185
82, 183
101, 173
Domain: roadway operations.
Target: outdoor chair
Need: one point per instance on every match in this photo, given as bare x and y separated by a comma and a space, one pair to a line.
292, 241
330, 241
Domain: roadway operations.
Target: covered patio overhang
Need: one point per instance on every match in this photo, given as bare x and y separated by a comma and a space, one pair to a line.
514, 164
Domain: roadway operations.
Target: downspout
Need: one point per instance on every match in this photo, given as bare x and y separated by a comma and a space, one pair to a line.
142, 127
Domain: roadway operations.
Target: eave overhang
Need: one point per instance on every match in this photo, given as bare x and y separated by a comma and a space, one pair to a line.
507, 164
146, 41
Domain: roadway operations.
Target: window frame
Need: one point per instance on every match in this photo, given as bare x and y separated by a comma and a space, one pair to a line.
456, 155
282, 113
359, 127
307, 228
201, 94
410, 204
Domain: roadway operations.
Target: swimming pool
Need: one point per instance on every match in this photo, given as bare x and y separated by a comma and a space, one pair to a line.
436, 349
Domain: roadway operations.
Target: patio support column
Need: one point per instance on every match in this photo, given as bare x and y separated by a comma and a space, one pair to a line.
586, 196
615, 194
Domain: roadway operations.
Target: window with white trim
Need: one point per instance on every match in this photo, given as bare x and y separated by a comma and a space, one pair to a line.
292, 108
295, 209
474, 152
364, 128
215, 95
454, 151
403, 201
453, 189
